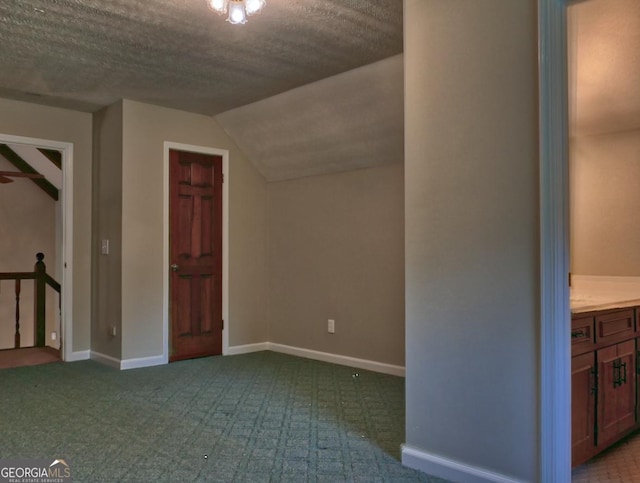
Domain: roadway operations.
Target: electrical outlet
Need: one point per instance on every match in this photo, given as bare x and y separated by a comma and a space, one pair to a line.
104, 247
331, 326
54, 335
114, 330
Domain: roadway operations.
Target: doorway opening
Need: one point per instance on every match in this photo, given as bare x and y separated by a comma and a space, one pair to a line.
53, 171
604, 144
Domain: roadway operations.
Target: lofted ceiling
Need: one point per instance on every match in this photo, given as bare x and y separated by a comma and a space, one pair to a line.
88, 54
348, 121
305, 87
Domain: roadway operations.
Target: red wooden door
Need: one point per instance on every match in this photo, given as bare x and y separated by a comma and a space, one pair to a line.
195, 239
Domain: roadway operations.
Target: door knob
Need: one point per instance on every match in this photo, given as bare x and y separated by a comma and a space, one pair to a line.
174, 267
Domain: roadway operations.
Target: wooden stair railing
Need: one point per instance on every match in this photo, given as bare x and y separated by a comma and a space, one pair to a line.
42, 279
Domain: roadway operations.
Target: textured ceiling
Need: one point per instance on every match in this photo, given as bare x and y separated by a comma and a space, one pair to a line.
86, 54
305, 87
348, 121
604, 66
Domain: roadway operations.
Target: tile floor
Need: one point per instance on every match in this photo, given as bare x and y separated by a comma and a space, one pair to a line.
618, 464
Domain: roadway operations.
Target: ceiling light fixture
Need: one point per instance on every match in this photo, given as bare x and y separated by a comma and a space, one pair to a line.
238, 10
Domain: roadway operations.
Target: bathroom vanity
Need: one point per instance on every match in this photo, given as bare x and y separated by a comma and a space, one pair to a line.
605, 340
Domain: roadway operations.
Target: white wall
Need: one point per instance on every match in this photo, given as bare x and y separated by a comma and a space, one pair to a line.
605, 204
472, 241
107, 225
336, 251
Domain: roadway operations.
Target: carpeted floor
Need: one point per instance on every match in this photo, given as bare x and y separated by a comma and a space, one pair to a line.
250, 418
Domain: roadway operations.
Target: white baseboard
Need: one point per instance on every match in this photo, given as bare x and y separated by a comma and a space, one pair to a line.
338, 359
105, 359
450, 469
246, 348
78, 356
143, 362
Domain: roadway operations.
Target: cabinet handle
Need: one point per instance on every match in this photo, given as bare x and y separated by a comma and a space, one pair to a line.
619, 373
616, 373
577, 333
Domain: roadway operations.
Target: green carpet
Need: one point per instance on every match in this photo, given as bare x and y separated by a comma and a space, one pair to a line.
254, 417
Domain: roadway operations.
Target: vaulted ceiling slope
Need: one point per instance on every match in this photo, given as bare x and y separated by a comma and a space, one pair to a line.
87, 54
348, 121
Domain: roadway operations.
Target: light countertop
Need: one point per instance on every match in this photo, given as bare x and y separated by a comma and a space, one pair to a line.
586, 302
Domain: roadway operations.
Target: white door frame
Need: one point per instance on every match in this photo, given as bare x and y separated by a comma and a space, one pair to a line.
66, 319
555, 353
225, 241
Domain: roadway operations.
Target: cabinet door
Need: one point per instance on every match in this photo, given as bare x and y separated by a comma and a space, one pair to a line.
616, 391
583, 402
627, 388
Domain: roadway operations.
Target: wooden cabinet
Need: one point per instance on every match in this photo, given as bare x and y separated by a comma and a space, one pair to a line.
603, 380
614, 326
616, 392
582, 335
583, 407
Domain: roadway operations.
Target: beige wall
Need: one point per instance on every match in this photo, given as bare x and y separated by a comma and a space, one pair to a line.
42, 122
27, 226
472, 241
107, 225
605, 202
146, 128
336, 251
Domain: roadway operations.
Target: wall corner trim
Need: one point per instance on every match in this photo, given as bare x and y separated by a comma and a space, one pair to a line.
554, 434
318, 356
77, 356
105, 359
450, 469
338, 359
125, 364
246, 348
140, 362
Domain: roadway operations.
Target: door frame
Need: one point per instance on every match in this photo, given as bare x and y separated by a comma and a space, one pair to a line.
66, 249
555, 353
168, 145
